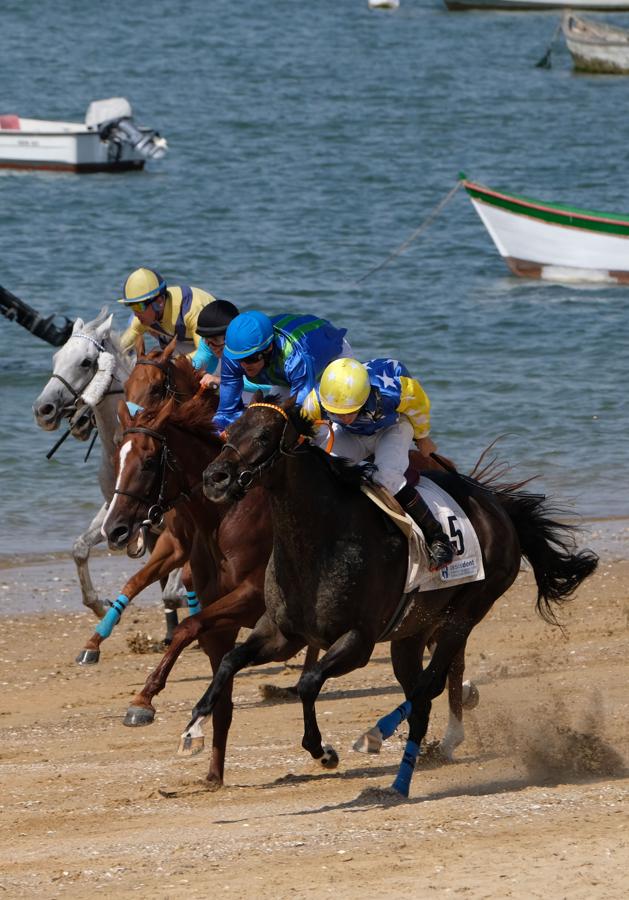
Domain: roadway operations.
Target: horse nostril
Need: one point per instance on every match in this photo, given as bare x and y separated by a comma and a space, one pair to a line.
119, 536
219, 477
45, 410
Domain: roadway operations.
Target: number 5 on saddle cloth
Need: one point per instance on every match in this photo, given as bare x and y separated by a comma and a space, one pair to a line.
467, 564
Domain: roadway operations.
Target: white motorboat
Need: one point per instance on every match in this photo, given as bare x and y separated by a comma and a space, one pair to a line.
107, 141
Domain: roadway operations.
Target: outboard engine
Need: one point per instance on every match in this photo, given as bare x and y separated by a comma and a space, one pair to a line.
113, 119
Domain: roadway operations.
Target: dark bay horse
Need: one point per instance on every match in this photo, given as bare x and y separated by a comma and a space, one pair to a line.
156, 376
337, 571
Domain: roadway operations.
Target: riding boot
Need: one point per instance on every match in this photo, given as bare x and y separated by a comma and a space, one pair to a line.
439, 547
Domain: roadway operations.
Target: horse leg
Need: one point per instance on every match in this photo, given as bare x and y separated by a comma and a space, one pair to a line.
266, 643
166, 556
430, 684
275, 692
81, 552
455, 732
230, 612
216, 646
351, 651
406, 658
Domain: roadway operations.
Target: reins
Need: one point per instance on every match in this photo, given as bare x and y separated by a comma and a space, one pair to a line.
248, 475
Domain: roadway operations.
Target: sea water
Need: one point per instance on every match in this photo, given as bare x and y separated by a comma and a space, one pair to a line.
307, 141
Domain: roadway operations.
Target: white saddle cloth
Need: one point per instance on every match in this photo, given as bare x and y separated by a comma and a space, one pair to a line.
467, 564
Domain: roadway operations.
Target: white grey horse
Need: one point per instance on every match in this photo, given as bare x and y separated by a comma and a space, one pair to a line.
88, 378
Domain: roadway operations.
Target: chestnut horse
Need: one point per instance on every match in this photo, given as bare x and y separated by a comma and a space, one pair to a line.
336, 575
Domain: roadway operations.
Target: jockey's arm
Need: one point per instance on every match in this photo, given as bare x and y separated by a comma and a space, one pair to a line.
230, 404
134, 329
298, 376
415, 405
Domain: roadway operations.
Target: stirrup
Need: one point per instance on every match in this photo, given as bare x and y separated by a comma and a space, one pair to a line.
441, 554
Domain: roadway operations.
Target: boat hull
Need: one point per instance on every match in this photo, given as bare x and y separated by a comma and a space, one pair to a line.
537, 240
521, 5
596, 47
69, 151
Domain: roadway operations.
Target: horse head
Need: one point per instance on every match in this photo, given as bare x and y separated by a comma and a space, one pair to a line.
157, 375
161, 453
266, 430
75, 367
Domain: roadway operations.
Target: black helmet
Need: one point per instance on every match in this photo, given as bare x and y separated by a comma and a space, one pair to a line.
215, 317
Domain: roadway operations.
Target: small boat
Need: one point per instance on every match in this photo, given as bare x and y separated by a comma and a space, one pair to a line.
108, 141
553, 241
591, 5
596, 46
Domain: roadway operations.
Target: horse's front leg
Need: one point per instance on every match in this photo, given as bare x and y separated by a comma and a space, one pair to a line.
168, 554
351, 651
81, 552
216, 645
266, 643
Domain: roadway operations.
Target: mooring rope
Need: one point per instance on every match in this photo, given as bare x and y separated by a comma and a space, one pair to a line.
432, 215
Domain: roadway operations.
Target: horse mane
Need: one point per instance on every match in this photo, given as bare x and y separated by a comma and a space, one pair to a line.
346, 472
193, 416
190, 376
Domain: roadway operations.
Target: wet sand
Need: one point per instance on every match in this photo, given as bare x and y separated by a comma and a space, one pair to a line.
534, 806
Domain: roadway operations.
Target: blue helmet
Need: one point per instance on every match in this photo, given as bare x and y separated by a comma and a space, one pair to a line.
247, 334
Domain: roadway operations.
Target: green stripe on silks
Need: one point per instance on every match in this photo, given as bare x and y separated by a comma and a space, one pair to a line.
557, 214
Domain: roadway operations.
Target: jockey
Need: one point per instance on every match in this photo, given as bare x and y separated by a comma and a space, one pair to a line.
286, 351
162, 310
211, 327
378, 409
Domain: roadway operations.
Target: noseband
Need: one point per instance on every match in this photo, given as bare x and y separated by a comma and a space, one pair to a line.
250, 473
156, 511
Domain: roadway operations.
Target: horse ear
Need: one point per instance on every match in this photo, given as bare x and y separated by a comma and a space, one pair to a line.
140, 350
169, 350
290, 403
79, 324
124, 416
164, 413
104, 328
258, 397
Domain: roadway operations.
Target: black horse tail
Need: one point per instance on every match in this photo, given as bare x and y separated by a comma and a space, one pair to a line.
549, 546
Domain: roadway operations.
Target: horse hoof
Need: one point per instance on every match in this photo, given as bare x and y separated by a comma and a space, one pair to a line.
190, 746
138, 715
470, 695
330, 758
88, 657
370, 741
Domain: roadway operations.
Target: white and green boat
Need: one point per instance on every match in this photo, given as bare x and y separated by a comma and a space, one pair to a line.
553, 241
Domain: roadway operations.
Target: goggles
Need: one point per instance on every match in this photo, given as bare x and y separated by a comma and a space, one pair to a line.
139, 305
254, 358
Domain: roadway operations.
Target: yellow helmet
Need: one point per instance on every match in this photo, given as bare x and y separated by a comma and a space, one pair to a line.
143, 285
344, 386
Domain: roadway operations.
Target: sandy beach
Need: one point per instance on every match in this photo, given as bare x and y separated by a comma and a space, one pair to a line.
534, 806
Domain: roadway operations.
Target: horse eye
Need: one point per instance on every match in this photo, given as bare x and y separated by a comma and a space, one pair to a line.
86, 363
149, 464
263, 438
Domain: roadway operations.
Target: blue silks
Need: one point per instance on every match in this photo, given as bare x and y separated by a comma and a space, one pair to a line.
194, 606
402, 782
387, 724
112, 616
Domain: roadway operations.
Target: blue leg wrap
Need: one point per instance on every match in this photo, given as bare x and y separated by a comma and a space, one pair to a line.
193, 603
403, 781
388, 724
112, 616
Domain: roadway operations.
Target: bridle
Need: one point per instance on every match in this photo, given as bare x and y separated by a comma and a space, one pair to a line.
76, 394
248, 475
156, 511
165, 368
